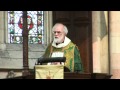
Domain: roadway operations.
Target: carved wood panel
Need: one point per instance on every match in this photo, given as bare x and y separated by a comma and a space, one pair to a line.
79, 31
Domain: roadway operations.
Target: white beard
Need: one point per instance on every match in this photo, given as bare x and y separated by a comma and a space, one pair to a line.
58, 40
65, 43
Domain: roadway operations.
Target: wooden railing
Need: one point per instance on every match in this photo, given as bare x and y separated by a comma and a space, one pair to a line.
69, 75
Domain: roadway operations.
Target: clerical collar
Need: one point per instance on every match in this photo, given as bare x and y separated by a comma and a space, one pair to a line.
59, 43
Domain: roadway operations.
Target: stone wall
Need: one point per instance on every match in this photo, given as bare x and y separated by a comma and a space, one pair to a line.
12, 56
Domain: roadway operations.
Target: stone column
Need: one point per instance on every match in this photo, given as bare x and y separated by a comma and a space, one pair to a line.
104, 42
100, 41
48, 26
2, 31
96, 41
115, 43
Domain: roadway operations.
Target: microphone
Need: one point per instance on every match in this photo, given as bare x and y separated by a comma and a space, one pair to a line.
52, 59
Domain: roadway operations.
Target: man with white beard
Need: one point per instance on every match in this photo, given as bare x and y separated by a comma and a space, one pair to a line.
62, 46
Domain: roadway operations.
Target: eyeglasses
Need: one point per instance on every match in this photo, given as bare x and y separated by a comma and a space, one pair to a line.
56, 32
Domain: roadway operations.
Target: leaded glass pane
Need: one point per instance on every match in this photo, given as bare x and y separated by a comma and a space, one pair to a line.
35, 26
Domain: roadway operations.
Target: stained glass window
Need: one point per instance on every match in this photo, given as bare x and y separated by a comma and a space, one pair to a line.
34, 23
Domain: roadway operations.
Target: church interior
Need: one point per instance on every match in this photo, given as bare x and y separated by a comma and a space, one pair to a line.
96, 33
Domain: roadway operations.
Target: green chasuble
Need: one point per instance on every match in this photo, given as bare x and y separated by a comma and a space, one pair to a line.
71, 52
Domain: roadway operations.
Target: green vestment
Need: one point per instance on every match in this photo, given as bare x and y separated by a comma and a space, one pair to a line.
71, 52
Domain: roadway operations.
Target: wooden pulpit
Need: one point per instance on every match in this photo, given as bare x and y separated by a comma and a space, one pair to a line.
67, 74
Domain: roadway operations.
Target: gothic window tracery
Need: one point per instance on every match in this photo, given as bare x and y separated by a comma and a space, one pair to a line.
34, 23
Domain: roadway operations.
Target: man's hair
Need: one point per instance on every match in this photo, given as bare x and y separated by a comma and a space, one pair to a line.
65, 28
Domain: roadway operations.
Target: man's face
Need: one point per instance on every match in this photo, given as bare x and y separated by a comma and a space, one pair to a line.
59, 34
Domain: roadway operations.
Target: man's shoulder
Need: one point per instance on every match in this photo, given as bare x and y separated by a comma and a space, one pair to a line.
49, 45
72, 44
